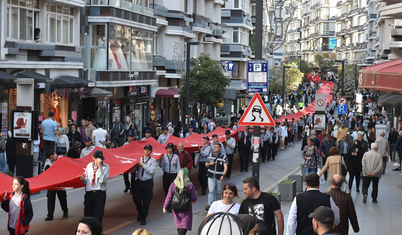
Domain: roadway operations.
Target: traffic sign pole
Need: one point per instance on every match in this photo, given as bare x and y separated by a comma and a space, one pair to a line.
256, 115
256, 152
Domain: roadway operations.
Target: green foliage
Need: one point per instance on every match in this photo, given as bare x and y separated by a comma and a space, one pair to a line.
349, 83
293, 77
321, 61
207, 81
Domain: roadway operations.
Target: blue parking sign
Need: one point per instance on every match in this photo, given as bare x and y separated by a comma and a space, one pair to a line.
342, 109
257, 76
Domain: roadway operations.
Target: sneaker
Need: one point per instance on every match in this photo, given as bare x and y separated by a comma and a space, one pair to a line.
396, 164
207, 208
48, 218
365, 198
291, 143
375, 201
357, 190
65, 214
143, 222
126, 189
397, 169
203, 192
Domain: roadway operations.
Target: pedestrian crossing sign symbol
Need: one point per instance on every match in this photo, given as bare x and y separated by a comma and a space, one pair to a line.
256, 114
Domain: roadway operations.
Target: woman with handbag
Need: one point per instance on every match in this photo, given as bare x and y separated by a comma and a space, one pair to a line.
311, 157
227, 204
183, 219
334, 164
62, 143
355, 156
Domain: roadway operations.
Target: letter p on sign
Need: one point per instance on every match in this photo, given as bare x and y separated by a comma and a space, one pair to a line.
257, 67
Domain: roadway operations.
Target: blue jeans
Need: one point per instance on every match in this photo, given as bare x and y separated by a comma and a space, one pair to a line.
308, 170
214, 185
3, 165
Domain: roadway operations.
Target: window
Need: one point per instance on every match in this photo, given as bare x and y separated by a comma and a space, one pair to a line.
325, 13
60, 20
325, 28
236, 4
22, 19
236, 35
236, 70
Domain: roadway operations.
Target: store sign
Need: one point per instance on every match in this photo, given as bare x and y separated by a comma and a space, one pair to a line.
22, 121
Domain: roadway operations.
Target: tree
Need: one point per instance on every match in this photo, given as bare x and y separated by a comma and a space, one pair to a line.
349, 83
322, 61
207, 81
292, 74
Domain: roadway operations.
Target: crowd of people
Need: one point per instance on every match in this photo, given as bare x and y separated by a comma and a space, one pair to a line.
351, 146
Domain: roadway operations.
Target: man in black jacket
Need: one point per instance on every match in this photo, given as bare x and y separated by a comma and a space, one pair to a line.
305, 203
245, 138
392, 138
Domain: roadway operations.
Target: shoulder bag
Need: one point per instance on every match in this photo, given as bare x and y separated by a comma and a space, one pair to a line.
344, 170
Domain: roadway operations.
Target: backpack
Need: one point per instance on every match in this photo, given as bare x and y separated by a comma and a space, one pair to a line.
180, 201
158, 131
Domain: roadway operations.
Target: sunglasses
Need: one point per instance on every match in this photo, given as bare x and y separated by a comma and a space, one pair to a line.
230, 184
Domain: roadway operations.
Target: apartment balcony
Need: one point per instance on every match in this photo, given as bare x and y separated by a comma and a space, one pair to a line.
371, 17
305, 2
395, 44
371, 55
124, 5
343, 32
372, 35
356, 28
339, 4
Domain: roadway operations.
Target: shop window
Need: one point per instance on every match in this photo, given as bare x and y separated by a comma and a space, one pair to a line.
237, 70
60, 20
22, 19
127, 49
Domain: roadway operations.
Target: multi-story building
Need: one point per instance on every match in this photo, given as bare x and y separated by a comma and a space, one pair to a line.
355, 32
317, 27
178, 22
236, 14
292, 46
39, 40
117, 39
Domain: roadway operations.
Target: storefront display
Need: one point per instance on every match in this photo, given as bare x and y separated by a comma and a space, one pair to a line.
128, 48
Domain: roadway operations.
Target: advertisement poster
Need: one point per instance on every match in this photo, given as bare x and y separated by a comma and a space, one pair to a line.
4, 119
22, 122
319, 121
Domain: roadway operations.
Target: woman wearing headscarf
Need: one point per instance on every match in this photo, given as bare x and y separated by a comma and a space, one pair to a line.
74, 151
182, 219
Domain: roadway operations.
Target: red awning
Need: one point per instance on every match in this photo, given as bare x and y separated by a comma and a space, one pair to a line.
385, 77
167, 93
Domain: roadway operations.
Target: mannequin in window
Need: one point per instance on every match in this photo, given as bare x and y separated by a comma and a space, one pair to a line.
56, 111
135, 57
113, 63
99, 62
120, 56
37, 34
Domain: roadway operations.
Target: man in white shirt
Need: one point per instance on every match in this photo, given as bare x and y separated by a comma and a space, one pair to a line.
305, 203
99, 134
165, 136
284, 134
95, 180
88, 149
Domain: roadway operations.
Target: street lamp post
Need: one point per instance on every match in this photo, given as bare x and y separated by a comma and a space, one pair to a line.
187, 108
283, 88
300, 64
343, 76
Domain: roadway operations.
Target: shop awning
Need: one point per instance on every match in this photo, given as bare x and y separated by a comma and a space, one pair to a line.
36, 76
383, 77
98, 92
6, 77
68, 82
390, 101
165, 93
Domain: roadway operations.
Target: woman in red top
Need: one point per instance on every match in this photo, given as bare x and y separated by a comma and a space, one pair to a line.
19, 207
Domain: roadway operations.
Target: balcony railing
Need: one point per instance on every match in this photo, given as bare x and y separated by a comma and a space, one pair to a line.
129, 6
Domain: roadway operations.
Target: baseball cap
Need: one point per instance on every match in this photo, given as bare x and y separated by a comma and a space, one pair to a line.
170, 145
205, 138
323, 214
99, 154
214, 135
148, 146
227, 132
87, 139
130, 133
148, 131
165, 128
